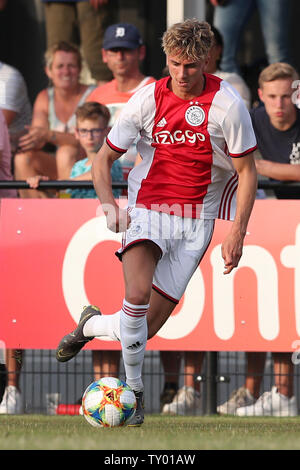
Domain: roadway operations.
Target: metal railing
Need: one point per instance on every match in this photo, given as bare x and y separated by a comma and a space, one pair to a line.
69, 184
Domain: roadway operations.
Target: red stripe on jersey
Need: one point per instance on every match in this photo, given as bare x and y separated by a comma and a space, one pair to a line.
180, 172
229, 200
165, 295
125, 246
237, 155
113, 147
227, 195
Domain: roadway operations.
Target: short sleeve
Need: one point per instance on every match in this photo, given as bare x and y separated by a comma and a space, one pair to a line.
134, 118
238, 131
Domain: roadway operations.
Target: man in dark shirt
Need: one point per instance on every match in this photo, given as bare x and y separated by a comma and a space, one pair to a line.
277, 129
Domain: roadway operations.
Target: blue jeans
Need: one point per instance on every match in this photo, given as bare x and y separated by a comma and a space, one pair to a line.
274, 15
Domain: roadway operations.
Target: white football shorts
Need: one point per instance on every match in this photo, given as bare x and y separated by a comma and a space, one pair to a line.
183, 242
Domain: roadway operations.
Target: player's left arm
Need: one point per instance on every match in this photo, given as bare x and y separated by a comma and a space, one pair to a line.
278, 171
232, 246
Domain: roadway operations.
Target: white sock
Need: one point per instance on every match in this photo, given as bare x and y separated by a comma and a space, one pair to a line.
134, 332
103, 325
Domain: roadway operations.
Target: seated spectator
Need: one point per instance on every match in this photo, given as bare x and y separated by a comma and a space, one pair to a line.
53, 120
16, 108
5, 159
11, 401
14, 102
276, 125
123, 54
91, 129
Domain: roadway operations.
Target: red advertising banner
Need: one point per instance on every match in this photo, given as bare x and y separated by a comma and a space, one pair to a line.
58, 256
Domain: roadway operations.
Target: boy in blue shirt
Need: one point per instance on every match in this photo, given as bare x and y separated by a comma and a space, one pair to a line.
91, 129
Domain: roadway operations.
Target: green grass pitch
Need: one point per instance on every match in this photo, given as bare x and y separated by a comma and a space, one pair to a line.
41, 432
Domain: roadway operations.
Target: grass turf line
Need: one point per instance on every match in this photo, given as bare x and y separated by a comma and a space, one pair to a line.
41, 432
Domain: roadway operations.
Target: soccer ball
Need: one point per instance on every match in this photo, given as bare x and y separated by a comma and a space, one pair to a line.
108, 402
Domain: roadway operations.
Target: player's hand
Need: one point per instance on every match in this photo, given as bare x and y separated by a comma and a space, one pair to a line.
117, 219
35, 139
232, 249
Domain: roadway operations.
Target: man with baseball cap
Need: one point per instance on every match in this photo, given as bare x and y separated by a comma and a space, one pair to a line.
123, 51
124, 35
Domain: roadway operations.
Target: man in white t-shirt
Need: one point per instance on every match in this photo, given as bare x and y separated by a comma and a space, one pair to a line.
197, 165
14, 102
16, 110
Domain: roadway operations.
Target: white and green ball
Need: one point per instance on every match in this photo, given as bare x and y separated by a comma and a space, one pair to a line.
108, 402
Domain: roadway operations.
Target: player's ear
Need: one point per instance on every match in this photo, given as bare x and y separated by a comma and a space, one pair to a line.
260, 94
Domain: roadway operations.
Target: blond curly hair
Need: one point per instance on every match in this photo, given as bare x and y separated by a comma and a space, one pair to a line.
189, 40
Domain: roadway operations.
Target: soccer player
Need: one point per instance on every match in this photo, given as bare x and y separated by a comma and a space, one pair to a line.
197, 165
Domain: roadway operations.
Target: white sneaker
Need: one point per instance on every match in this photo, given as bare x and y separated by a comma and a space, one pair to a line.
11, 402
271, 403
186, 401
238, 398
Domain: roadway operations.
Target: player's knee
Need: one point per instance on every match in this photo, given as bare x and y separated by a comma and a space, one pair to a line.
137, 296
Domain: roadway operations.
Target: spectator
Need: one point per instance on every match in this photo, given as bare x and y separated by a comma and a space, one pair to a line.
53, 120
230, 18
123, 52
276, 126
81, 22
14, 103
91, 129
16, 108
5, 158
11, 401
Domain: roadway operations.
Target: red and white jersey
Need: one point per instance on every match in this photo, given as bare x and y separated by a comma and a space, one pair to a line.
186, 147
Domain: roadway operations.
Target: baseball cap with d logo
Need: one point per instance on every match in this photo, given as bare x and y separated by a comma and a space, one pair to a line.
122, 35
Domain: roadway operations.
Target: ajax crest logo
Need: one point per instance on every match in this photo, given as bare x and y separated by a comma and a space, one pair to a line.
194, 115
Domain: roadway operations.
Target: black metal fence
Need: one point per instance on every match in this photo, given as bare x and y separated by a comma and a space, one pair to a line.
49, 387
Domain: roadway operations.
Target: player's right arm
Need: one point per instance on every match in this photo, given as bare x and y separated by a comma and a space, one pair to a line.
117, 219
